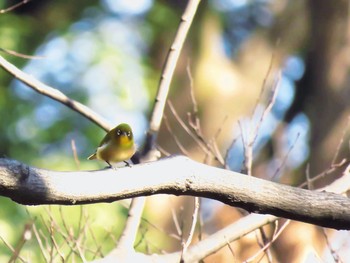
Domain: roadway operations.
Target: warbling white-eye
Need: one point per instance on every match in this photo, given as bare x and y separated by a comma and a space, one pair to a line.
117, 146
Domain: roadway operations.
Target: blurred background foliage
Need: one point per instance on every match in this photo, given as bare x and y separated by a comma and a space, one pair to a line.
108, 55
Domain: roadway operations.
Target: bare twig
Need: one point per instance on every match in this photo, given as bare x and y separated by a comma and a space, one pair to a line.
23, 2
98, 250
177, 141
38, 239
270, 103
264, 85
334, 166
200, 143
20, 55
265, 241
214, 146
75, 154
68, 235
334, 253
127, 239
8, 245
308, 179
252, 135
251, 138
231, 250
267, 245
341, 141
172, 235
185, 244
247, 152
26, 235
196, 134
200, 222
279, 168
227, 155
163, 151
57, 247
176, 222
193, 97
248, 144
332, 169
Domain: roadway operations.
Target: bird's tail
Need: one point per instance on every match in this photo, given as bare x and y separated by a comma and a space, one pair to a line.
92, 157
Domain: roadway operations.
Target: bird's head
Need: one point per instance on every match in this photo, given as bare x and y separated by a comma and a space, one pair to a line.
123, 134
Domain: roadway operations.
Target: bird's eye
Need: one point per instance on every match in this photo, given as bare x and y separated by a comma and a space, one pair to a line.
118, 132
129, 133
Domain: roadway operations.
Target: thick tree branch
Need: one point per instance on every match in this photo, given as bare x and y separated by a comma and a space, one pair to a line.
178, 176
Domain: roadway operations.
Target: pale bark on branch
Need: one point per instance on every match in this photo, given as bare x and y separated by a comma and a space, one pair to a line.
178, 176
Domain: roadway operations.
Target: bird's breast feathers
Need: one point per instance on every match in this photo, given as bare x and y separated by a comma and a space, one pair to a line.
113, 153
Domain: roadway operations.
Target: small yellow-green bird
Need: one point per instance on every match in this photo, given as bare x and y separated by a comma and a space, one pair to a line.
117, 146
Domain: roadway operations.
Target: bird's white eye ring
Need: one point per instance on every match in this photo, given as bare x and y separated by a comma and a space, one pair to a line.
118, 132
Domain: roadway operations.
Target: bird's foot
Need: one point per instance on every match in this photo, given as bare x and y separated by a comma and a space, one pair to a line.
127, 164
110, 166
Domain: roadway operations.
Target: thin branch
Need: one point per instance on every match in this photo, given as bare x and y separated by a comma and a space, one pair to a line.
13, 7
200, 143
333, 168
128, 236
333, 252
20, 55
185, 244
231, 250
172, 235
54, 94
247, 152
40, 243
271, 102
251, 137
253, 134
263, 245
177, 141
267, 245
227, 154
168, 71
196, 134
193, 97
26, 235
339, 185
308, 179
264, 84
75, 154
8, 245
341, 141
176, 222
284, 160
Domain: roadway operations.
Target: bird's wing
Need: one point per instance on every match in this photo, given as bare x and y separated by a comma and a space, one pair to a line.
92, 156
107, 138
